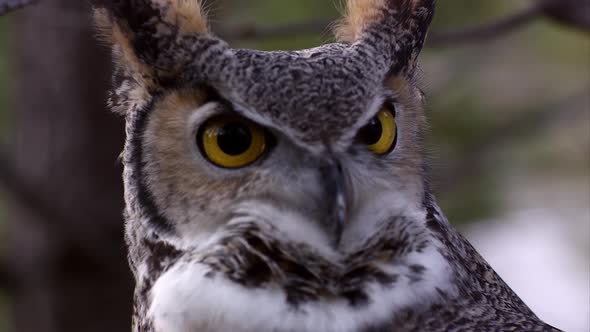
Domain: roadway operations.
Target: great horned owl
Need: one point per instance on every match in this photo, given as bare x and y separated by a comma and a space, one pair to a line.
286, 191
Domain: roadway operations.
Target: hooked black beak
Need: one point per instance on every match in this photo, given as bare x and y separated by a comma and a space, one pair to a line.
334, 184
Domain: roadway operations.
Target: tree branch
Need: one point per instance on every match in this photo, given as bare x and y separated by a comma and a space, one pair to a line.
487, 32
572, 13
7, 6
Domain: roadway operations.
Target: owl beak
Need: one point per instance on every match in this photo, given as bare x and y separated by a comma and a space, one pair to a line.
334, 185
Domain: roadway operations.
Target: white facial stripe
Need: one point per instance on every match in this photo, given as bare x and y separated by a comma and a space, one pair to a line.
294, 226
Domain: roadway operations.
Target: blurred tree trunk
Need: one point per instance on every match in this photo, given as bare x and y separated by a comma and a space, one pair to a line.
73, 269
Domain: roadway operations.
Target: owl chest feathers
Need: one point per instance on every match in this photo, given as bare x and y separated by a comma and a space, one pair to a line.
252, 277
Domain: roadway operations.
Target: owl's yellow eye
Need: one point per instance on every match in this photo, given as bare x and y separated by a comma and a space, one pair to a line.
231, 141
380, 134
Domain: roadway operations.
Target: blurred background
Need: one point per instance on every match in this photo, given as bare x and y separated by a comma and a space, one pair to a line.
508, 84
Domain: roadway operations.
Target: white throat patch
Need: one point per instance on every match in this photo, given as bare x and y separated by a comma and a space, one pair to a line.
189, 297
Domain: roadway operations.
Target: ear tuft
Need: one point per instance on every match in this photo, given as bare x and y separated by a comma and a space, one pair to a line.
391, 31
187, 15
143, 35
143, 26
359, 14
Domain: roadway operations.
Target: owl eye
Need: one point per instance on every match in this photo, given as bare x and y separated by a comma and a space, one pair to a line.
231, 141
380, 134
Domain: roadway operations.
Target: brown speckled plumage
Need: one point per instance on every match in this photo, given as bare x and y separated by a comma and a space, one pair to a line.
253, 249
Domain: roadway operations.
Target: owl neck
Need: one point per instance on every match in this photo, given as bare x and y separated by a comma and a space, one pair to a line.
472, 277
256, 278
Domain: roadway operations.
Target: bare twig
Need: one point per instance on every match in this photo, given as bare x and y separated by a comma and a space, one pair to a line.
10, 5
485, 33
574, 13
568, 12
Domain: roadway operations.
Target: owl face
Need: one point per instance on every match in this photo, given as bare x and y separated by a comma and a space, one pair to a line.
325, 133
289, 179
205, 157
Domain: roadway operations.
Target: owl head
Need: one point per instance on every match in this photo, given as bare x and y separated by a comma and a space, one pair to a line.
287, 180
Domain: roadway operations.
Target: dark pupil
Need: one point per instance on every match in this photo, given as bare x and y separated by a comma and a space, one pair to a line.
234, 138
371, 133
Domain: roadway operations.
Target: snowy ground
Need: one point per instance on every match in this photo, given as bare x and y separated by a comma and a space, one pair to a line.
541, 248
